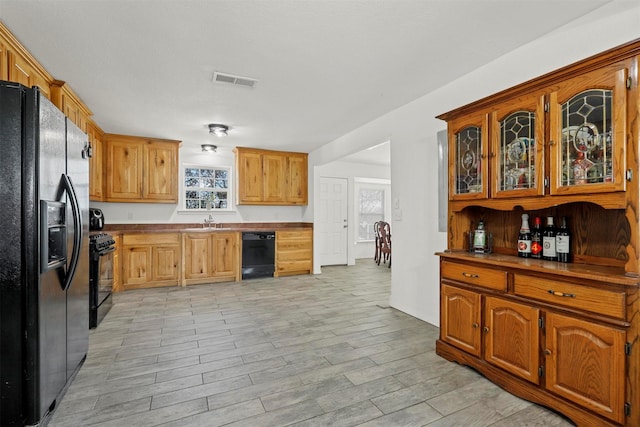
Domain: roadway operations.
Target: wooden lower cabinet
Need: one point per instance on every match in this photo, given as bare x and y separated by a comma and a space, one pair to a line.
210, 257
585, 363
545, 338
509, 334
150, 259
511, 337
460, 318
294, 252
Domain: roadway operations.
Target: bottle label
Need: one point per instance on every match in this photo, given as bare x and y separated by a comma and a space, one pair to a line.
479, 240
536, 247
562, 244
549, 246
524, 246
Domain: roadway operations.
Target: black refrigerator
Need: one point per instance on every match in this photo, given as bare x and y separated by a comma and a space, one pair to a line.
44, 254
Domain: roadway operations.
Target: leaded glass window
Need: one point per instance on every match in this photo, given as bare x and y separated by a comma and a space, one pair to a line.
587, 138
468, 166
517, 151
206, 188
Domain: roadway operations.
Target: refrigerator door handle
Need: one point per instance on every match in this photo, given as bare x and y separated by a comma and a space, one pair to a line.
77, 230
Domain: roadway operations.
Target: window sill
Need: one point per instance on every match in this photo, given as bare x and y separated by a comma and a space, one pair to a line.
206, 212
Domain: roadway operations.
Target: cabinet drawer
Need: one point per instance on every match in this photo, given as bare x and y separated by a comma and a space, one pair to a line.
294, 265
473, 275
151, 239
601, 301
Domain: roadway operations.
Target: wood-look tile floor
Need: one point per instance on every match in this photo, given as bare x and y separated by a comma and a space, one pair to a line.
323, 350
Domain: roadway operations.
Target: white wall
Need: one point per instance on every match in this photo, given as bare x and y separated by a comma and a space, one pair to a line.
141, 213
352, 172
412, 130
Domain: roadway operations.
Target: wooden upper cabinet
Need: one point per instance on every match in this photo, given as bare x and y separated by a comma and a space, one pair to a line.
70, 104
160, 168
297, 180
274, 169
268, 177
250, 181
518, 147
96, 162
588, 132
18, 65
468, 155
123, 161
140, 169
4, 60
585, 362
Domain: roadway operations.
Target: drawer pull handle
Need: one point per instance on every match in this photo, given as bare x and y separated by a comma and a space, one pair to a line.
547, 352
561, 294
470, 275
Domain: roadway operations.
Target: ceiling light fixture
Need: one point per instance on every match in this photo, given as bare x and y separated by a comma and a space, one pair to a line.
209, 148
218, 130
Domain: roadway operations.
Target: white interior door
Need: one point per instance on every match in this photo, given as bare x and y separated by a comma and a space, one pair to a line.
331, 221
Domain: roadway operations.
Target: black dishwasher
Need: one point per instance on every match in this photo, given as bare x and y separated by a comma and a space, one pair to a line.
258, 254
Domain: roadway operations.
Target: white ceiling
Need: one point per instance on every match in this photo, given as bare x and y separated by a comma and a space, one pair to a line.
324, 67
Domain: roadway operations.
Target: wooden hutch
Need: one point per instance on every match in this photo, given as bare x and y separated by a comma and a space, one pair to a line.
562, 335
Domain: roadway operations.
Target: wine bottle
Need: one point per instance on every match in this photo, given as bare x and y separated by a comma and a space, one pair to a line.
479, 238
536, 238
549, 241
524, 238
563, 242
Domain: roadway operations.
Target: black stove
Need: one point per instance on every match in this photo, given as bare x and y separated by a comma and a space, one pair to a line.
101, 248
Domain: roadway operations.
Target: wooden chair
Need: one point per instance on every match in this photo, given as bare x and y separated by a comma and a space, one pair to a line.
376, 256
383, 248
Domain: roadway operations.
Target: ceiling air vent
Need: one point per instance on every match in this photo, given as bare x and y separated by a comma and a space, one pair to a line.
234, 80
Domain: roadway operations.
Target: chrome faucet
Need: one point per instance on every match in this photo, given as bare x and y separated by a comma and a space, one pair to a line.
208, 221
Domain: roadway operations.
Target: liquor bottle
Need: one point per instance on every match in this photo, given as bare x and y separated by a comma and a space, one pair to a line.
563, 242
549, 241
524, 238
479, 238
536, 238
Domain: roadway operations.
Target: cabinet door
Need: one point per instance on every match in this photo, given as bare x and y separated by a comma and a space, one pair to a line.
517, 134
160, 168
198, 255
4, 61
165, 263
124, 170
460, 318
468, 155
21, 71
95, 163
297, 179
117, 264
511, 339
588, 131
225, 253
250, 179
137, 265
273, 167
585, 363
